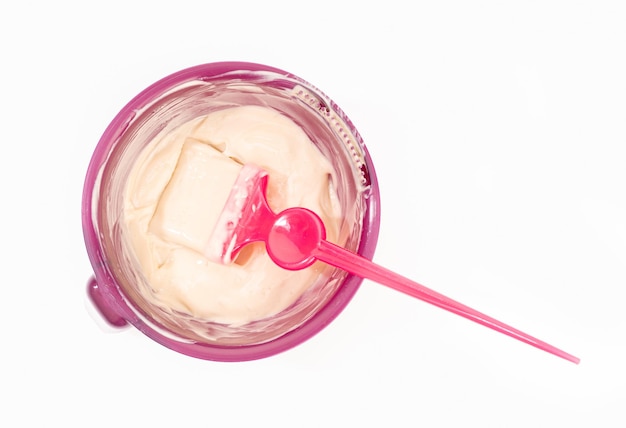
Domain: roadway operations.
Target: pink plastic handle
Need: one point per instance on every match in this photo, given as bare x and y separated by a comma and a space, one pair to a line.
296, 237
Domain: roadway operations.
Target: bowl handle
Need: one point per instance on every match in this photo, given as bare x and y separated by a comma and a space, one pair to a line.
102, 305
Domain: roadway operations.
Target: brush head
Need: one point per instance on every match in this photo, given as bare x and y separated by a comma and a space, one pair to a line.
191, 203
237, 224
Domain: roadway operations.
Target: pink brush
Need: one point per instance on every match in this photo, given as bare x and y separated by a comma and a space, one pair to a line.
295, 238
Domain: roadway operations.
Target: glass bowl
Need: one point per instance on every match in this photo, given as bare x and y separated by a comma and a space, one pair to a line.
118, 288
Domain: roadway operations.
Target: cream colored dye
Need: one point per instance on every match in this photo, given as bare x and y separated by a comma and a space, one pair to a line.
185, 176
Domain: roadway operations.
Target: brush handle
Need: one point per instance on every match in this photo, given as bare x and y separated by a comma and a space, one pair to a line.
364, 268
296, 237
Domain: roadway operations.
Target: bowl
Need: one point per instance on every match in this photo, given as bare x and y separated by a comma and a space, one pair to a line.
119, 290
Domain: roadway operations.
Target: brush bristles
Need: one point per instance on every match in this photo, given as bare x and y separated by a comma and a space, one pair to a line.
223, 244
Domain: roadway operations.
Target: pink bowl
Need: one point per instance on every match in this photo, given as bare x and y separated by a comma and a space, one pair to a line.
187, 94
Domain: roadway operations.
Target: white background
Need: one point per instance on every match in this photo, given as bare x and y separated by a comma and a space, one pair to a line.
498, 131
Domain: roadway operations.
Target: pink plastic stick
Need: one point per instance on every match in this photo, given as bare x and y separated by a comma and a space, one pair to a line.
357, 265
296, 237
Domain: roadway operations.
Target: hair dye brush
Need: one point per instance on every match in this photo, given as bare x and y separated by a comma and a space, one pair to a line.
295, 238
